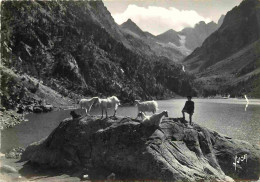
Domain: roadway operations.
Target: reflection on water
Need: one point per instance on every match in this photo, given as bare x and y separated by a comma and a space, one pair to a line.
246, 105
226, 116
247, 102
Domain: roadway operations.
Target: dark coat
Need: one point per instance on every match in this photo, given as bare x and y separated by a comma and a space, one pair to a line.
188, 107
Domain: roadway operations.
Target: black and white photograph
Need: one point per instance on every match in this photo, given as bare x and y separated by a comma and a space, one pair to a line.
130, 90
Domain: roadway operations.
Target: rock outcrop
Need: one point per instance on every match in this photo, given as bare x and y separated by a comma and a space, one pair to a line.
220, 21
131, 150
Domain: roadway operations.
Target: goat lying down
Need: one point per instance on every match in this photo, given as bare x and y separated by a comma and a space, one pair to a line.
155, 119
147, 106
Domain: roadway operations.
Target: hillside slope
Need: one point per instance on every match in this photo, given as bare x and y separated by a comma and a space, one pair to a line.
229, 58
78, 47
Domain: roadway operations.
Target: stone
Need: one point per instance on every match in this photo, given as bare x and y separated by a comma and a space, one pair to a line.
37, 109
14, 153
134, 151
10, 155
47, 108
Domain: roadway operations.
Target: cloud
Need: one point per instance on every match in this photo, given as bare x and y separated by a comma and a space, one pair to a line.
157, 20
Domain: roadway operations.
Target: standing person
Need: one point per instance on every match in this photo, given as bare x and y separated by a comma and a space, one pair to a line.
188, 108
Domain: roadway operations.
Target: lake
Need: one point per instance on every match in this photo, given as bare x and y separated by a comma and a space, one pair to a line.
227, 116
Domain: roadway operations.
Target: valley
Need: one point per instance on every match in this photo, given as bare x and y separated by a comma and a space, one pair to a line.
228, 60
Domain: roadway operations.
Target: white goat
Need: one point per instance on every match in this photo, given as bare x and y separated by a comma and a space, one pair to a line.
146, 106
87, 103
152, 120
110, 102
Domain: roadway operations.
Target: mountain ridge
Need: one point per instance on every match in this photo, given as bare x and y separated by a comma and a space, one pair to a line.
146, 40
183, 41
195, 36
238, 35
129, 24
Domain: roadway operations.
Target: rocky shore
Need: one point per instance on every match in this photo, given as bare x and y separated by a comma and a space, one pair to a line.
10, 118
126, 148
21, 94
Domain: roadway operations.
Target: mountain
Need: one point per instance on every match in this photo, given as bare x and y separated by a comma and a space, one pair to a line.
150, 43
76, 49
220, 21
229, 58
149, 35
195, 36
130, 25
189, 38
171, 44
169, 36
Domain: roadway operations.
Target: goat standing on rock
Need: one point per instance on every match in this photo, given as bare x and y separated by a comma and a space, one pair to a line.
110, 102
87, 103
146, 106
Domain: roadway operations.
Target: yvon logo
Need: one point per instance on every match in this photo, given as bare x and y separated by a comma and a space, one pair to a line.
240, 159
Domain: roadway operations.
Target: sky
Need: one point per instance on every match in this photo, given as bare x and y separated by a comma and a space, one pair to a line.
158, 16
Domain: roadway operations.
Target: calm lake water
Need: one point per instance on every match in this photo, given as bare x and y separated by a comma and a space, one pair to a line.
227, 116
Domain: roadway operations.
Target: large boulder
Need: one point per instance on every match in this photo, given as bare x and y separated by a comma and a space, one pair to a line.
131, 150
